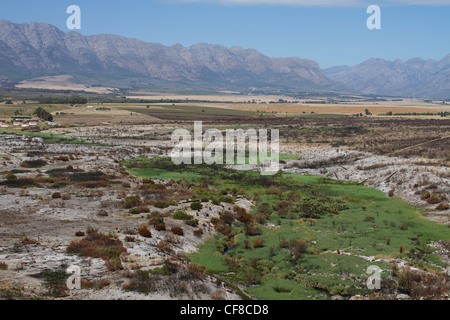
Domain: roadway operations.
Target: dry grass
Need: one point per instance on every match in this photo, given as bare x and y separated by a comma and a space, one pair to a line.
423, 286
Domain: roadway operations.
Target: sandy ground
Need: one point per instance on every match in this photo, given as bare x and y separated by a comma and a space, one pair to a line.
50, 224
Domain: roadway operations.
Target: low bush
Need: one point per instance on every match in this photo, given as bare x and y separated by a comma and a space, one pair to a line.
282, 205
134, 211
161, 204
196, 206
198, 232
251, 230
284, 244
11, 176
433, 200
423, 285
181, 215
102, 213
98, 245
158, 223
227, 217
443, 206
93, 184
66, 197
165, 246
144, 230
317, 206
131, 201
56, 195
20, 183
297, 248
258, 243
177, 231
425, 195
33, 163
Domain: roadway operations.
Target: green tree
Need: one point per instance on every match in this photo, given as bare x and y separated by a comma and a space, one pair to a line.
43, 114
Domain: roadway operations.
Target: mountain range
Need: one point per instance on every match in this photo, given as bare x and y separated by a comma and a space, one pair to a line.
412, 78
39, 49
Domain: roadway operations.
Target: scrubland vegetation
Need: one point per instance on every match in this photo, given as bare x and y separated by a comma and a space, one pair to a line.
84, 195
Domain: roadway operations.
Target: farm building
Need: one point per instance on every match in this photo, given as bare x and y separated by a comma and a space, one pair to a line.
20, 118
24, 121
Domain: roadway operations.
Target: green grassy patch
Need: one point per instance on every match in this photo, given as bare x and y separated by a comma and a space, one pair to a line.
308, 237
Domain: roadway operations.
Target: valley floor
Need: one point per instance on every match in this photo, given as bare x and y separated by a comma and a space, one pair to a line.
59, 200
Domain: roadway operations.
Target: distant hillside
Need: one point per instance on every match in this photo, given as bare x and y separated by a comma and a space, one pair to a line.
40, 49
411, 78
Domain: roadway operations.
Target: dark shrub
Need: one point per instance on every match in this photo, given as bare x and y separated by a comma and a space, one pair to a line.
144, 230
98, 245
131, 201
199, 232
433, 200
161, 204
178, 231
181, 215
134, 211
443, 206
425, 195
196, 206
33, 163
158, 223
258, 243
227, 217
251, 230
56, 195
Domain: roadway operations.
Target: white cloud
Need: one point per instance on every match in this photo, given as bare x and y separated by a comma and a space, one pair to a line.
326, 3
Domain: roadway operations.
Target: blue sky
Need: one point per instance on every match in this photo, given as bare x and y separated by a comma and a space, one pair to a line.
331, 32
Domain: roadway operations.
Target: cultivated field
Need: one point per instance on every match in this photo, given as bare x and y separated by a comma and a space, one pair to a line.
61, 83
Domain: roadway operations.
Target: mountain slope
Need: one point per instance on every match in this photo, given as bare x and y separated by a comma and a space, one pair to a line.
412, 78
40, 49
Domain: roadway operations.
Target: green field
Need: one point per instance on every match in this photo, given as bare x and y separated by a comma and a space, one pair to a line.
340, 245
